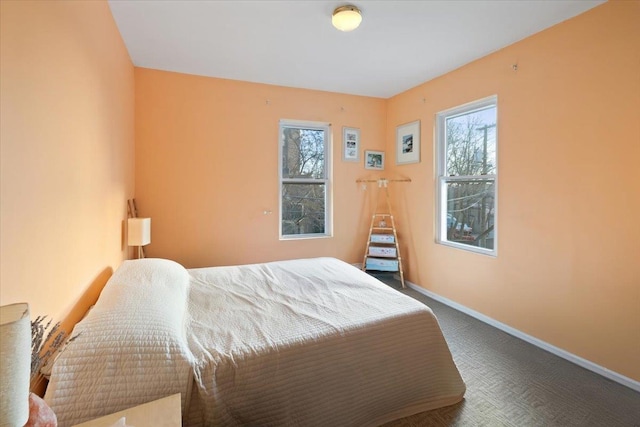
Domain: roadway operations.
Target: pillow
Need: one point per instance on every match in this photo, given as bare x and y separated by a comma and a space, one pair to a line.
150, 282
131, 348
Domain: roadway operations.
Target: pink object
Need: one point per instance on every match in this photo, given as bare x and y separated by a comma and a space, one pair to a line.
40, 414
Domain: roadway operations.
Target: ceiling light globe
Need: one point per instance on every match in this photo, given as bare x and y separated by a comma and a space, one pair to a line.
346, 18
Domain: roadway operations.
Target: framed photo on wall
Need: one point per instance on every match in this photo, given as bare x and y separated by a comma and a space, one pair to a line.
350, 144
408, 143
374, 160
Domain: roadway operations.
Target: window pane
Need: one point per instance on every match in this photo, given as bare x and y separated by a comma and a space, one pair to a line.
303, 209
471, 143
303, 153
471, 212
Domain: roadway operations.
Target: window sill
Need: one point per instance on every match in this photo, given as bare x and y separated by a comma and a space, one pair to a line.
305, 237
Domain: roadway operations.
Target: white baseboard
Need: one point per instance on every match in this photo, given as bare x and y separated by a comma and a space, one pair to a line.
600, 370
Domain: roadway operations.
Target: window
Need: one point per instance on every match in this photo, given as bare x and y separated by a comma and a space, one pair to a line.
467, 176
305, 186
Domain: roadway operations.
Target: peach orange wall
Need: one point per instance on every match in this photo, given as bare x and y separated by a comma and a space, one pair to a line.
67, 151
568, 264
207, 167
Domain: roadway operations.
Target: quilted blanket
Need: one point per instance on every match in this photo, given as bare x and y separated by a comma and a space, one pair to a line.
313, 343
310, 342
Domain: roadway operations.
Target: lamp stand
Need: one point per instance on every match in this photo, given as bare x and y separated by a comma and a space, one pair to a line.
140, 252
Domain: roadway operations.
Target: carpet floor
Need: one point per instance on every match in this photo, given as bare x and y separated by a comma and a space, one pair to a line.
513, 383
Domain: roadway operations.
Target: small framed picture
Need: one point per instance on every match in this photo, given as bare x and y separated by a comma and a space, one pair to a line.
408, 143
374, 160
350, 144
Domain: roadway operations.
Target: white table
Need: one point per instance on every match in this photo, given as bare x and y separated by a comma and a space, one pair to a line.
165, 412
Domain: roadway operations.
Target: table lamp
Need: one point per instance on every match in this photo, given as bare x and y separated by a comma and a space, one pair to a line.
139, 233
15, 364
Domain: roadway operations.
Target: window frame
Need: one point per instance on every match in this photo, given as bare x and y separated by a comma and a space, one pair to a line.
442, 179
328, 206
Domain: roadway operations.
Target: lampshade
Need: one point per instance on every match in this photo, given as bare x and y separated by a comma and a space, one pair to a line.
139, 231
15, 364
346, 18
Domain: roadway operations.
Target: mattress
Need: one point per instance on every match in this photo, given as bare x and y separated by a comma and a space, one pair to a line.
312, 342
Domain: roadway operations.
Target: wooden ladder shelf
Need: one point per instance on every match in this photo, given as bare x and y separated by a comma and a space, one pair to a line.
382, 252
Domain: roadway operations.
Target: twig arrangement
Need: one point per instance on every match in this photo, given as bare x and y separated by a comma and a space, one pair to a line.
46, 343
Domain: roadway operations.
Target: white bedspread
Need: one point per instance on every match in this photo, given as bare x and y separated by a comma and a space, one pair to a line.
295, 343
313, 343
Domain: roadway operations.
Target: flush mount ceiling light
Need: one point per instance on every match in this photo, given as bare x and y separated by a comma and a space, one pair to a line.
346, 18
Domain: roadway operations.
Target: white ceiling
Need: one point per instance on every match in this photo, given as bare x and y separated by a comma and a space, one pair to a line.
399, 44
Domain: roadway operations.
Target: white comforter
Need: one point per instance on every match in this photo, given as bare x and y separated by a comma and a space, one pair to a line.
304, 342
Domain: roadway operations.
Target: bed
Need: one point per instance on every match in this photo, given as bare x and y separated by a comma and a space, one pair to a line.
310, 342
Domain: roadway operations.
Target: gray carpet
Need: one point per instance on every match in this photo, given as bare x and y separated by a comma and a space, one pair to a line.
513, 383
